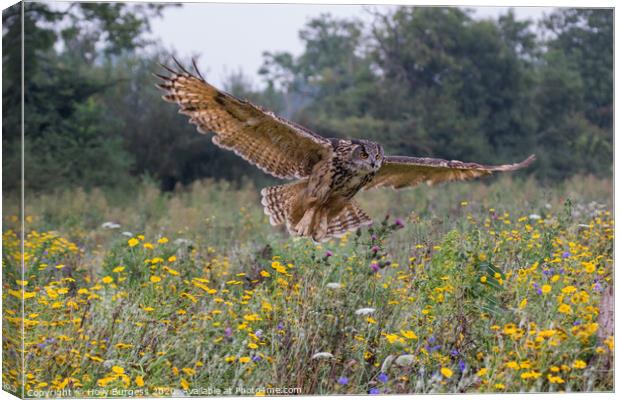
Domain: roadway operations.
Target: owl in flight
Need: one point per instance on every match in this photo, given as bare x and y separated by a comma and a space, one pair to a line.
327, 173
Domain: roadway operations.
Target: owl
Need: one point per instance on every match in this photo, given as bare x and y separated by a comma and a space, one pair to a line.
326, 173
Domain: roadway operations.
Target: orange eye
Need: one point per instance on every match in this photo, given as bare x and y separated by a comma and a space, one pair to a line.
364, 155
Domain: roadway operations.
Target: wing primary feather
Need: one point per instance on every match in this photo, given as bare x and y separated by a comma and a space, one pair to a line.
197, 70
167, 68
181, 66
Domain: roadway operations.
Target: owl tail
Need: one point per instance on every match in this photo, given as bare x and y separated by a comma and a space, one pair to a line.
323, 222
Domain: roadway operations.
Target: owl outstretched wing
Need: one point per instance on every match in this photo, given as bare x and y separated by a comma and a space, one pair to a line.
399, 172
277, 146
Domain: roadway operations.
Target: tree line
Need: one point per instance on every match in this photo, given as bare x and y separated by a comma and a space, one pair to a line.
421, 81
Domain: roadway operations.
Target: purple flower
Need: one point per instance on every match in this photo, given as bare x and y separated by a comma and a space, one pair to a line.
462, 365
259, 333
566, 254
256, 358
383, 377
280, 326
598, 287
374, 391
399, 224
328, 253
375, 249
374, 267
576, 323
454, 352
539, 291
373, 237
431, 339
343, 380
228, 331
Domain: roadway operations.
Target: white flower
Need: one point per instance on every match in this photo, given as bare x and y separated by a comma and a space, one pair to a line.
364, 311
322, 354
404, 360
333, 285
184, 242
110, 225
534, 216
548, 206
128, 234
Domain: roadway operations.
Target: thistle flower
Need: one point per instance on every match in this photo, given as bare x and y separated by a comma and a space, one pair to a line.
398, 224
375, 267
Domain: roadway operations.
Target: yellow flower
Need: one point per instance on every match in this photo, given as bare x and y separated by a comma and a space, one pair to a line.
546, 289
107, 279
523, 304
163, 240
565, 309
500, 386
569, 289
155, 279
512, 365
118, 370
230, 359
588, 267
148, 246
579, 364
139, 381
483, 279
265, 274
482, 371
172, 258
252, 345
409, 335
118, 269
244, 360
447, 372
555, 379
133, 242
184, 384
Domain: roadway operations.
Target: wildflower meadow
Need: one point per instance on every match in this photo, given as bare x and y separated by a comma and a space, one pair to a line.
496, 286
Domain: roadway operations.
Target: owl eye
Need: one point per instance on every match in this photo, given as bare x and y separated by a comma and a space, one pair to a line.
363, 155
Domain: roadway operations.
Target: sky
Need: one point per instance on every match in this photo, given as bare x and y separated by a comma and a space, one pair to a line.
227, 38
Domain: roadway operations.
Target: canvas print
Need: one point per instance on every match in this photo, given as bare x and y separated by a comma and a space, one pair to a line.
205, 199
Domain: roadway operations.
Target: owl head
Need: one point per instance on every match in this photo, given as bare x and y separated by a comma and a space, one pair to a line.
366, 155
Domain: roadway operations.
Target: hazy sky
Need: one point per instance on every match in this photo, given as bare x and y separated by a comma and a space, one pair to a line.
232, 37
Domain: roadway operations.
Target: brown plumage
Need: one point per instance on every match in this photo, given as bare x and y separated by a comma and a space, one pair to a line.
329, 172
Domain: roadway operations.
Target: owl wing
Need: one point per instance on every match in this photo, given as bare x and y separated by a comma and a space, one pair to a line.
277, 146
399, 172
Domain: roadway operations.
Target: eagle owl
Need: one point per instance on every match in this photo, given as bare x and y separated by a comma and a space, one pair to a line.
327, 173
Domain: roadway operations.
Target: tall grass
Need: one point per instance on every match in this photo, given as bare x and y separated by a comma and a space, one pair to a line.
471, 287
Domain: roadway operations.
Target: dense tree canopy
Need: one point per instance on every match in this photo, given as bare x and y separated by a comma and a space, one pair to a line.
422, 81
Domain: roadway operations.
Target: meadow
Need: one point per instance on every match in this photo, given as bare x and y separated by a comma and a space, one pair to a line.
495, 286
